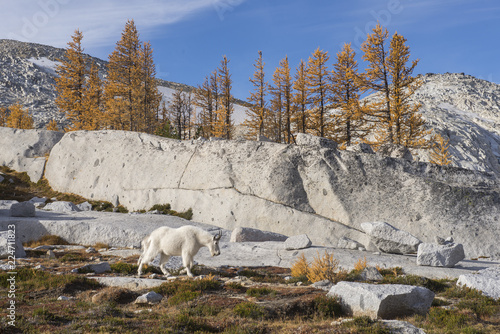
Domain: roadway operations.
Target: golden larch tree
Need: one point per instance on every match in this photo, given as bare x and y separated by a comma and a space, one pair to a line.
93, 101
204, 99
406, 125
224, 124
123, 85
52, 126
349, 124
3, 116
19, 117
301, 98
283, 98
274, 127
376, 76
439, 151
256, 113
70, 83
388, 75
150, 95
319, 89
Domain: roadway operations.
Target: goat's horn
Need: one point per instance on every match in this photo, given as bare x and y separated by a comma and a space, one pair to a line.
218, 235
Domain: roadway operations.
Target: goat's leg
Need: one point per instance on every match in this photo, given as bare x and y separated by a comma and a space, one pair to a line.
187, 261
163, 260
145, 258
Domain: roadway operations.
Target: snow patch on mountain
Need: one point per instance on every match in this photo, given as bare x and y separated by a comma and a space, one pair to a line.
45, 64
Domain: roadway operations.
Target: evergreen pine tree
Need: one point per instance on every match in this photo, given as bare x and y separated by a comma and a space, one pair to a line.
70, 83
283, 103
317, 81
301, 98
275, 125
256, 113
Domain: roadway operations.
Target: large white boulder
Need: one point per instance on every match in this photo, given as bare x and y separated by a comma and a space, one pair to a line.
487, 281
288, 189
389, 239
447, 255
26, 150
385, 301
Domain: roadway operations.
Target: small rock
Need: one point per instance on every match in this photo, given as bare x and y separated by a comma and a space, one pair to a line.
298, 242
50, 254
439, 240
97, 268
62, 207
39, 267
246, 234
115, 200
149, 298
346, 243
370, 274
38, 201
446, 255
90, 250
307, 140
360, 148
401, 327
85, 206
449, 240
63, 298
23, 209
389, 239
323, 285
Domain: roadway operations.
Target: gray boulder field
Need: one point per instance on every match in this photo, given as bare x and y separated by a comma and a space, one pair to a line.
26, 150
384, 301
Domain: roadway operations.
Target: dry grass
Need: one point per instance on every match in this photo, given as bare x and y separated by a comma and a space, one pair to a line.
46, 240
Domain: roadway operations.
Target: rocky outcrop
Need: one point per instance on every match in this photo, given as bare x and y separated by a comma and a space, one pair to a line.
385, 301
246, 234
26, 150
287, 189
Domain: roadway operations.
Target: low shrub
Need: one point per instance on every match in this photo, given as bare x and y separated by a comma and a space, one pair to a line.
249, 310
260, 292
327, 307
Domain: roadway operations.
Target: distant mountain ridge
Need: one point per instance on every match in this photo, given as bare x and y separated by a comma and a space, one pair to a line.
27, 72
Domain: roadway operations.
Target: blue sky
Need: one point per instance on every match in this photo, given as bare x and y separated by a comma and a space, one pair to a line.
189, 37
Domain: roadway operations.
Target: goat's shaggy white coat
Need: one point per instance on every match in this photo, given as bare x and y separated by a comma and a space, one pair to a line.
184, 241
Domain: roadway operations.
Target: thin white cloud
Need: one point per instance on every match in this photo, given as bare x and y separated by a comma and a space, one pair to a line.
54, 21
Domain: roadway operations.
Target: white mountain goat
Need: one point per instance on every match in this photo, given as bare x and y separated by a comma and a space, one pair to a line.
184, 241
